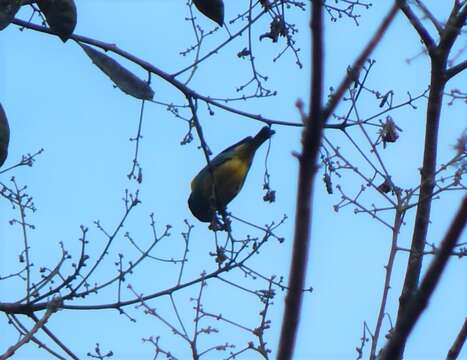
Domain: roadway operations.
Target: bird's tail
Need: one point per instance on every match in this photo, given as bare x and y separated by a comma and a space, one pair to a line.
264, 134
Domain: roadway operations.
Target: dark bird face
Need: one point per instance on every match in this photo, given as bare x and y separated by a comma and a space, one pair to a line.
199, 207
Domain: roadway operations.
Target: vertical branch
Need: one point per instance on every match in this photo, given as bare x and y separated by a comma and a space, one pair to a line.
439, 57
387, 282
311, 141
422, 216
137, 138
419, 301
307, 162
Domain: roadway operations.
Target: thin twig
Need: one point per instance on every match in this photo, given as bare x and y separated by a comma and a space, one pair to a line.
387, 283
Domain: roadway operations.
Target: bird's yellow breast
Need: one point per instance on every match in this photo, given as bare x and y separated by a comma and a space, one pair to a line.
233, 170
229, 178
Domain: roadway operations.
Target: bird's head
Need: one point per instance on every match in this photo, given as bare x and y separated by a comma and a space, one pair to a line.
197, 204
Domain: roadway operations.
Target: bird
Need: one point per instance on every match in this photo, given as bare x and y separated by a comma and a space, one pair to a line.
213, 9
222, 179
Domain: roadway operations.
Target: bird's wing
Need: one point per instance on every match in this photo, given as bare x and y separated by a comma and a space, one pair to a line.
220, 159
226, 155
231, 147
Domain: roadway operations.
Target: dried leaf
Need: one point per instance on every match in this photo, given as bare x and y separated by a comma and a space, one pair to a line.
213, 9
385, 187
4, 136
123, 78
388, 132
60, 15
8, 10
277, 27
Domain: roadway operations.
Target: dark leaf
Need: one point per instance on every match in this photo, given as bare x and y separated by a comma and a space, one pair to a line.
60, 15
213, 9
8, 9
4, 136
123, 78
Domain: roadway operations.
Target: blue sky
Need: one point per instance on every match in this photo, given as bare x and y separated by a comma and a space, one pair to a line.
57, 100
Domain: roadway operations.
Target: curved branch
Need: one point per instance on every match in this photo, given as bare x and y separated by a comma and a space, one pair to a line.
188, 92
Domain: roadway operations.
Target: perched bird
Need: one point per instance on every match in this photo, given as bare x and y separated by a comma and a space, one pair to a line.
216, 185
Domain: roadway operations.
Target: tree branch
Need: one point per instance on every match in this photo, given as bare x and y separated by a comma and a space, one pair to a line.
456, 69
358, 63
51, 308
453, 26
185, 90
311, 140
438, 58
456, 347
56, 340
416, 23
419, 301
429, 15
